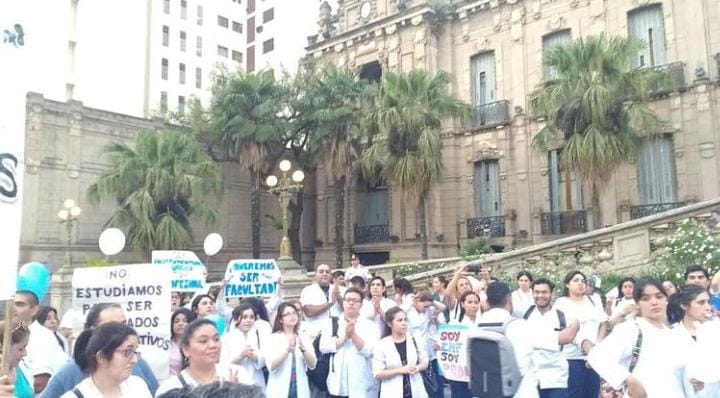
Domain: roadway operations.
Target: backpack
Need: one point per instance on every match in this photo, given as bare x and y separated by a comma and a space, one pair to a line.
318, 376
493, 368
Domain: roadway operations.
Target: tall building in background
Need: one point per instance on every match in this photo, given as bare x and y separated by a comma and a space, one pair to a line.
132, 57
278, 31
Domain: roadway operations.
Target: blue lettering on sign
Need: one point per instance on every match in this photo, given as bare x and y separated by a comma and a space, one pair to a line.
250, 289
14, 37
186, 284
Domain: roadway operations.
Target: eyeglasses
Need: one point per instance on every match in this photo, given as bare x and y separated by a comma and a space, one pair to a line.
352, 300
293, 313
129, 353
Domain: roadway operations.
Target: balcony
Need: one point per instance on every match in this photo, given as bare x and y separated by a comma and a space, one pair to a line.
674, 79
486, 227
491, 114
372, 234
563, 222
648, 210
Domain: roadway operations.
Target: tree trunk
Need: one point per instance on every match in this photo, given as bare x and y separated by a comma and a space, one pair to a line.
596, 213
423, 227
339, 220
255, 219
296, 209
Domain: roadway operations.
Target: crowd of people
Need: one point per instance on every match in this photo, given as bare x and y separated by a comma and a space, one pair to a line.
345, 337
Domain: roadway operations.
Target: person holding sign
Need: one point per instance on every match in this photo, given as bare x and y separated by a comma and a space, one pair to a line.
107, 355
241, 346
350, 367
398, 360
469, 309
201, 347
288, 354
19, 338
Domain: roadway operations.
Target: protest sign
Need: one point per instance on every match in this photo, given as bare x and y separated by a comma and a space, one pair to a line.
453, 352
143, 291
188, 272
252, 278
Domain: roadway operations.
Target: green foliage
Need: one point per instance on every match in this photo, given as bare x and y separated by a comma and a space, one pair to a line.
474, 249
100, 262
690, 244
412, 269
158, 185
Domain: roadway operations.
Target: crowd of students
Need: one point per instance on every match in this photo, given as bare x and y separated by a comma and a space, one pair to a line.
345, 338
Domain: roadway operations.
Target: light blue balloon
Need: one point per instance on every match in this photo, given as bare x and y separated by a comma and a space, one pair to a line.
218, 321
34, 277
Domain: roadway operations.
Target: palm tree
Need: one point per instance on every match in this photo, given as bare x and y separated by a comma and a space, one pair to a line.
408, 112
157, 185
335, 95
597, 106
245, 118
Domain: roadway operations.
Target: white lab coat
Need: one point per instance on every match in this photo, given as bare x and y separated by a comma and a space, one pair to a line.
386, 356
247, 370
521, 302
279, 379
314, 295
548, 366
694, 365
659, 366
588, 315
368, 311
350, 369
44, 354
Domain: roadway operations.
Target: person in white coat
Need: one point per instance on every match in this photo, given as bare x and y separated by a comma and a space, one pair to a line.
695, 309
288, 355
241, 347
398, 360
522, 298
624, 307
644, 357
350, 365
379, 304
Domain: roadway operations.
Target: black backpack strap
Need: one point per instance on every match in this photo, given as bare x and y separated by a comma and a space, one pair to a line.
636, 349
417, 352
561, 319
528, 312
490, 325
182, 380
591, 300
257, 333
77, 393
334, 321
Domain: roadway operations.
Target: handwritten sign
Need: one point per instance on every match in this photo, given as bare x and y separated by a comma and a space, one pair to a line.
143, 291
252, 278
453, 352
188, 272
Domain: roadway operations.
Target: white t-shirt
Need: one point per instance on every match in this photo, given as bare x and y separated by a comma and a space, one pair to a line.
44, 354
588, 315
314, 295
133, 387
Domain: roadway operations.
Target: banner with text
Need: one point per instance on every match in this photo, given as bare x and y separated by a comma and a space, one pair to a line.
252, 278
453, 352
15, 82
188, 272
143, 291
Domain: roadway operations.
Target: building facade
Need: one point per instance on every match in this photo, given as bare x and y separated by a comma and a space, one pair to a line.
495, 185
130, 57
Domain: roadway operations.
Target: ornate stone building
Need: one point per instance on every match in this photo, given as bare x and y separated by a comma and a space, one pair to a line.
495, 185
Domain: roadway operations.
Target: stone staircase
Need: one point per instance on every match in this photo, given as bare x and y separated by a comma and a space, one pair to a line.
624, 248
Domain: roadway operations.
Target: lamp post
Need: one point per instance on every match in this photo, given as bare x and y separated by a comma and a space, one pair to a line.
284, 187
69, 215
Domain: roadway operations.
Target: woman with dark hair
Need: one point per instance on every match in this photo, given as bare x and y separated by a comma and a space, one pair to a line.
403, 293
694, 309
522, 298
48, 317
288, 355
398, 359
178, 322
379, 303
107, 355
242, 344
470, 316
200, 347
203, 305
624, 306
583, 382
262, 318
670, 288
19, 338
644, 356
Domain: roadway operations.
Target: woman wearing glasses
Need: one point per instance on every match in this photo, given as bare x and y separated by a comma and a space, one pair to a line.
107, 355
287, 356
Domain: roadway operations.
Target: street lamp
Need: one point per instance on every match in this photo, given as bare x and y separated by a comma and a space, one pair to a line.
69, 215
284, 187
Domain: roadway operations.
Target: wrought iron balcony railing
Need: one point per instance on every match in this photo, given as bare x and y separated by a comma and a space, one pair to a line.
648, 210
673, 81
487, 227
491, 114
563, 222
372, 234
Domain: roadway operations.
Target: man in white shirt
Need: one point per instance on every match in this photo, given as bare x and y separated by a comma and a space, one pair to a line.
320, 300
44, 354
549, 367
356, 269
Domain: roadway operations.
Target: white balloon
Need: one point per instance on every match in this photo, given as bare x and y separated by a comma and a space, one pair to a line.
111, 241
213, 243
